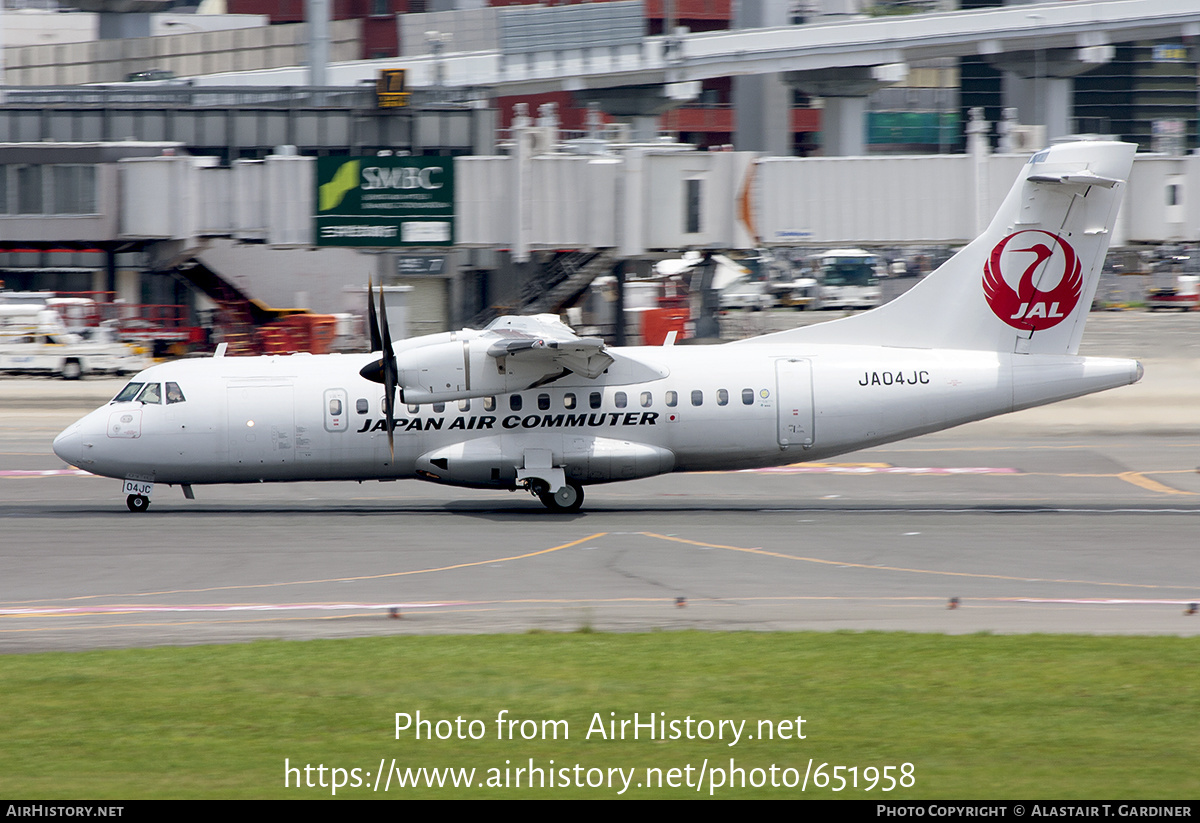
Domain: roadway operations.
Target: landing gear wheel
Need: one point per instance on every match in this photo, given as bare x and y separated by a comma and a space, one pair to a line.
137, 502
568, 499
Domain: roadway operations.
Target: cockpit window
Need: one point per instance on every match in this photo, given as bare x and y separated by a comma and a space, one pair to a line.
174, 393
151, 394
128, 393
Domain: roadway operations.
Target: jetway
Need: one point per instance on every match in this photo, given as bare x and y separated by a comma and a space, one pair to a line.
253, 220
644, 201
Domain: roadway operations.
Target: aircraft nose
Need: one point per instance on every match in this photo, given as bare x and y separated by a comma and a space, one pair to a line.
68, 443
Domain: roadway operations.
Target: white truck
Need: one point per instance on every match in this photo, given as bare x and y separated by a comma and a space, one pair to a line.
34, 340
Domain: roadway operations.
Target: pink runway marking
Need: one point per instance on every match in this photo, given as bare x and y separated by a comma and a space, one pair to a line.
246, 607
46, 473
881, 470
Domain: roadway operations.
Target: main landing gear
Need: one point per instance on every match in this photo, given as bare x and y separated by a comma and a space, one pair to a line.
137, 502
567, 499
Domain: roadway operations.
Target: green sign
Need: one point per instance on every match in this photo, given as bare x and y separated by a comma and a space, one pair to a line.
385, 201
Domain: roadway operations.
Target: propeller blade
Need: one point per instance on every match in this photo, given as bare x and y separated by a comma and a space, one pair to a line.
384, 369
390, 377
389, 407
373, 320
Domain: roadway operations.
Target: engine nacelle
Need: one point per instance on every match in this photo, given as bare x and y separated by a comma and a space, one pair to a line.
460, 367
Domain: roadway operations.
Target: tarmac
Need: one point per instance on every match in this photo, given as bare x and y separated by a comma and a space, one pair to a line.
1078, 518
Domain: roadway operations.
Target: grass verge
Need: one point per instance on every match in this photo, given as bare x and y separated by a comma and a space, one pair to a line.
977, 716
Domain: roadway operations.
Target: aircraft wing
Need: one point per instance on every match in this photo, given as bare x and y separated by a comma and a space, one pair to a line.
547, 340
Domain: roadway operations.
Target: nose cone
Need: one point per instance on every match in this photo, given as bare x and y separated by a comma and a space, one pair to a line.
68, 444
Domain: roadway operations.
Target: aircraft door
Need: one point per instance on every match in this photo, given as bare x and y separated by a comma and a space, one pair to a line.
794, 402
261, 425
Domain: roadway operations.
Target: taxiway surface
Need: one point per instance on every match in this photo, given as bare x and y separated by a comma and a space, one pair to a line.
1080, 517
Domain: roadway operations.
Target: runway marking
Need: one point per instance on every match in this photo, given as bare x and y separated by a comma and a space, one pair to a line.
69, 611
1137, 478
466, 607
1140, 479
1024, 447
1077, 601
382, 576
800, 468
844, 564
863, 468
46, 473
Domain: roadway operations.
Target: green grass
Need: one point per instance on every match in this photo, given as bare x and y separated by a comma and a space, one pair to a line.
978, 717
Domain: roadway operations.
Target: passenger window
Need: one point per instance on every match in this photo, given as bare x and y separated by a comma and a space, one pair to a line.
722, 397
151, 394
361, 405
620, 400
128, 393
489, 404
335, 406
594, 400
697, 397
413, 408
568, 400
514, 402
672, 399
543, 401
464, 405
647, 400
438, 408
748, 396
174, 393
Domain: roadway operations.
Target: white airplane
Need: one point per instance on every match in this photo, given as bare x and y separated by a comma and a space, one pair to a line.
525, 403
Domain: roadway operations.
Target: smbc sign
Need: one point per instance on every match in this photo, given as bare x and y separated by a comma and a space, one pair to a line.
385, 201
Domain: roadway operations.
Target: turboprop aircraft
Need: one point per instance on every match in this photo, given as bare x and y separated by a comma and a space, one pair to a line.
525, 403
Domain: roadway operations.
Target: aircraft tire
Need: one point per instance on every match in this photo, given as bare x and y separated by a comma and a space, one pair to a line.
568, 499
137, 503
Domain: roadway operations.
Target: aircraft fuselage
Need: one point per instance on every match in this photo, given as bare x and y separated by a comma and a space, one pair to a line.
303, 417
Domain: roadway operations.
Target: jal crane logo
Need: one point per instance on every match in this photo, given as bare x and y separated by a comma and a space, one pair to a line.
1049, 284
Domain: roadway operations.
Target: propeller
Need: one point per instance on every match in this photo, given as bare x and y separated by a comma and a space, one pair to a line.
376, 343
382, 370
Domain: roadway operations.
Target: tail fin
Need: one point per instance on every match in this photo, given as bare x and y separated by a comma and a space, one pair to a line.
1026, 284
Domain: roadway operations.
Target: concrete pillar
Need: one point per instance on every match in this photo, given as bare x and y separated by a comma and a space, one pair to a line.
844, 91
763, 115
1040, 84
317, 12
763, 102
843, 122
1048, 101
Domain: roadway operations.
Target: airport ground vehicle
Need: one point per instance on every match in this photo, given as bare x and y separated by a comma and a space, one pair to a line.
35, 340
848, 279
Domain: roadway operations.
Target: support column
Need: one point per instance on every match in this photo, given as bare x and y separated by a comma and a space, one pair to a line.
843, 122
1040, 84
762, 102
844, 91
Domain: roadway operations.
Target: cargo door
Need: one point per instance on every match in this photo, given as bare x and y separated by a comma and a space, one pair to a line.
794, 393
261, 425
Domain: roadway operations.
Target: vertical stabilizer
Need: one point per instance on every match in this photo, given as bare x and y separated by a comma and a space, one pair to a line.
1026, 284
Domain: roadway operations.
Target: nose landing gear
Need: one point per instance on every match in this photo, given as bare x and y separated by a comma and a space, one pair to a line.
137, 502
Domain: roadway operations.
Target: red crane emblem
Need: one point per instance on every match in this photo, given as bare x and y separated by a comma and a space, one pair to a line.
1047, 290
